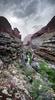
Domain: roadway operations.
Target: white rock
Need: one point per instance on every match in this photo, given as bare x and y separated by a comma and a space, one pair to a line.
14, 81
5, 91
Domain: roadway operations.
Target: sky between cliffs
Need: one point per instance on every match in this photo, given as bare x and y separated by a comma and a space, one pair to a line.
27, 15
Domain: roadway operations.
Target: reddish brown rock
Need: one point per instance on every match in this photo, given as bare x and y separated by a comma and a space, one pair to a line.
5, 25
10, 41
50, 27
44, 42
16, 33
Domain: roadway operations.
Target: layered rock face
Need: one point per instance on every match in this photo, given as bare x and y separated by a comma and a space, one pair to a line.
44, 34
44, 41
10, 42
50, 44
49, 28
12, 83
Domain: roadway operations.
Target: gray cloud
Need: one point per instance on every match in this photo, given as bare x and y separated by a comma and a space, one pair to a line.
51, 2
27, 8
20, 8
29, 12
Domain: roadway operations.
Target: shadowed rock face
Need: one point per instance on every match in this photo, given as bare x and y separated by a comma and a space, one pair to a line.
51, 24
10, 41
4, 25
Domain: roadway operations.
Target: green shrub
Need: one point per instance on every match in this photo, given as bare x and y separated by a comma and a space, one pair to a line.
39, 90
48, 72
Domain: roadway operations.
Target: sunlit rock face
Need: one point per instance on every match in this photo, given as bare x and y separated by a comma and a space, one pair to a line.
49, 28
50, 44
45, 33
10, 41
44, 41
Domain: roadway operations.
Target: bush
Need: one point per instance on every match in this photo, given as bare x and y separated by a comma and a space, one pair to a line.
47, 72
40, 91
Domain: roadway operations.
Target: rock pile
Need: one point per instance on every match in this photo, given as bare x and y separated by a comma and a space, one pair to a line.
13, 85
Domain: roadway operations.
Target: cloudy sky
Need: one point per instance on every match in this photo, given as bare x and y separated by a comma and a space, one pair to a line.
27, 15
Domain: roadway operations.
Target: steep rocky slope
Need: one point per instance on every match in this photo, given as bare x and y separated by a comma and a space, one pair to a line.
44, 41
10, 43
50, 27
12, 83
